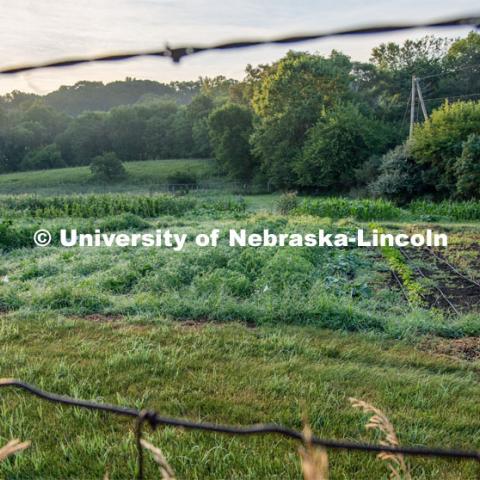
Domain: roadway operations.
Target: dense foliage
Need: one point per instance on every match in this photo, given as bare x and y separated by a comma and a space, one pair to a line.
108, 168
320, 124
230, 127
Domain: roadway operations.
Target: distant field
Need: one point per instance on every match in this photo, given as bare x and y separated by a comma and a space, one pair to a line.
142, 176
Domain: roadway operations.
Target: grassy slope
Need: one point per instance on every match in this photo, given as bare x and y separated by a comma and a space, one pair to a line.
224, 373
77, 179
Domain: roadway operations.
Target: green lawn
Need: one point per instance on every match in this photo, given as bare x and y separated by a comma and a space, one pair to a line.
142, 176
224, 373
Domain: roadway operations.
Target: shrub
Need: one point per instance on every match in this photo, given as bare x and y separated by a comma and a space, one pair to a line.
108, 168
287, 202
400, 178
467, 169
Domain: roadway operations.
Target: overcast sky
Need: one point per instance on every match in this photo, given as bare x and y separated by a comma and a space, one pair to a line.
37, 30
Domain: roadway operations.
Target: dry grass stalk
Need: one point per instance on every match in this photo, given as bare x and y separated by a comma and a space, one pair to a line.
314, 459
165, 469
379, 421
12, 447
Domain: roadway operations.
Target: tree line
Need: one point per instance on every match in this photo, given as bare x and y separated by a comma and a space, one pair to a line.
319, 124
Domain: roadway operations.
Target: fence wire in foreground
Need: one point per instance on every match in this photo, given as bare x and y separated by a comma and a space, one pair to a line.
155, 420
176, 54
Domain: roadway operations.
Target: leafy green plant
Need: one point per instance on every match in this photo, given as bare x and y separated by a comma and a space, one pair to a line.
108, 168
287, 202
397, 263
363, 210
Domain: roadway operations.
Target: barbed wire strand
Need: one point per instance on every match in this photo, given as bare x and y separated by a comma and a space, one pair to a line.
176, 54
154, 420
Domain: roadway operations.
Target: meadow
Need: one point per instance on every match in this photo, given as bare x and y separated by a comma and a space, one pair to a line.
142, 177
235, 335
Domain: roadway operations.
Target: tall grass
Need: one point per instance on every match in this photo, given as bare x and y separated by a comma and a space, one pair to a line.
363, 210
457, 211
378, 209
101, 205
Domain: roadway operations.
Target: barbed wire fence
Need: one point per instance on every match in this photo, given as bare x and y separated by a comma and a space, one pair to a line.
154, 419
177, 53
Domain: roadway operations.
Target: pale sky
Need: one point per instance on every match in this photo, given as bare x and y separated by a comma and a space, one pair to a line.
39, 30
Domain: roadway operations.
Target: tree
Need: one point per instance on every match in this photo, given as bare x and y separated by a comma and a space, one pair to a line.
437, 143
413, 55
160, 136
341, 141
462, 64
197, 113
108, 168
125, 129
84, 139
288, 98
43, 158
230, 127
467, 168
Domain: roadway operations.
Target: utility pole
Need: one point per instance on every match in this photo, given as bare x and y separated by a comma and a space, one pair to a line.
412, 105
420, 97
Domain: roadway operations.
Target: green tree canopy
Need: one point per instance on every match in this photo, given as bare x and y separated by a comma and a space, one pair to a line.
437, 143
230, 127
288, 97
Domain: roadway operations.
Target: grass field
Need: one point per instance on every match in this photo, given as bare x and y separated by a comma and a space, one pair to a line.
232, 335
224, 373
142, 176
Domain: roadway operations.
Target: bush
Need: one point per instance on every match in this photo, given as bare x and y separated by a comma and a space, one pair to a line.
287, 202
108, 167
400, 178
467, 169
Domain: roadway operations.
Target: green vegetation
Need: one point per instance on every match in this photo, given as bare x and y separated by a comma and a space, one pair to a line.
108, 168
224, 373
141, 177
242, 335
342, 289
459, 211
230, 127
97, 323
404, 272
204, 372
363, 210
344, 133
100, 205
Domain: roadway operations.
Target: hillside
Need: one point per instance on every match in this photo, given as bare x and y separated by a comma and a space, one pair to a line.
142, 176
